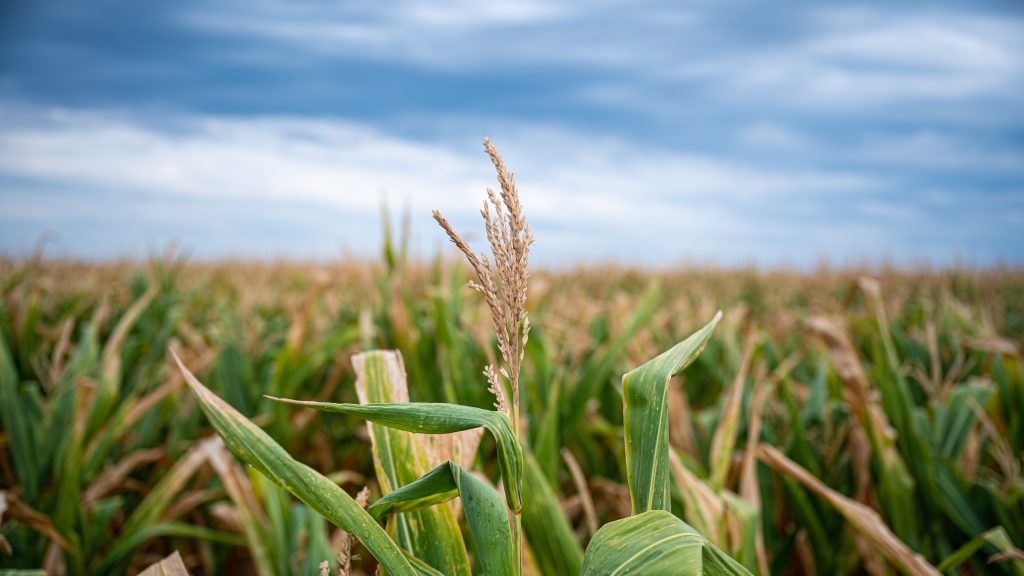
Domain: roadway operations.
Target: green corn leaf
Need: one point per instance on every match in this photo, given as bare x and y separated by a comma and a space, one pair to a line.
955, 501
123, 549
723, 443
421, 567
655, 543
645, 393
16, 421
257, 448
748, 519
434, 487
551, 538
897, 490
439, 418
400, 458
486, 513
546, 440
898, 403
111, 372
998, 539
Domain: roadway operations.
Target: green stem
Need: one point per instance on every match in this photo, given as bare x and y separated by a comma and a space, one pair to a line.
517, 543
517, 524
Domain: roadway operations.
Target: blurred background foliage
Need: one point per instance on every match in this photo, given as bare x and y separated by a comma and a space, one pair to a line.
897, 392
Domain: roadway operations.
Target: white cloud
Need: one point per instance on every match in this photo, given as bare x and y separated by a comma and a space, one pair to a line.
644, 57
442, 35
596, 196
876, 58
285, 158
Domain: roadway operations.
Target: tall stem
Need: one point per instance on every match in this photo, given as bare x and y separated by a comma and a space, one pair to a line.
518, 520
517, 543
515, 423
514, 382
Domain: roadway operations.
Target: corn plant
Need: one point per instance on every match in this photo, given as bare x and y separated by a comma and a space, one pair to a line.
422, 536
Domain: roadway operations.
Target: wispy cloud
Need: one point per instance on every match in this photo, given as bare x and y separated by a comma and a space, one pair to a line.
588, 197
870, 58
834, 58
414, 31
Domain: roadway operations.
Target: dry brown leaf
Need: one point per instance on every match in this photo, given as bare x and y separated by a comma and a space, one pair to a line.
227, 517
19, 512
704, 509
190, 501
60, 350
750, 489
4, 544
804, 553
994, 345
236, 483
680, 425
175, 480
111, 478
857, 390
83, 403
860, 461
170, 566
863, 519
580, 481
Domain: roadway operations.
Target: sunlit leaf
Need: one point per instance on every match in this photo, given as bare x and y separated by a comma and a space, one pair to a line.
257, 448
645, 394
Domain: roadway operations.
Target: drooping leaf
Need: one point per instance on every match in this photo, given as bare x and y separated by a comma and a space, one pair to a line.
484, 509
257, 448
865, 520
440, 418
896, 486
645, 394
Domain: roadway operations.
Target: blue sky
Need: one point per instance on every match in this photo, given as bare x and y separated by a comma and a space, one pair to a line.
642, 132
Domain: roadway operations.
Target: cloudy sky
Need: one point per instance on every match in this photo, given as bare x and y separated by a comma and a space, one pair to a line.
650, 132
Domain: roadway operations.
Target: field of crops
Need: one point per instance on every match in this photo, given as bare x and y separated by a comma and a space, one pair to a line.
834, 423
777, 325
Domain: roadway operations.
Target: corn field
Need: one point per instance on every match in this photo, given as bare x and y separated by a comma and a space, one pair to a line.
304, 419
